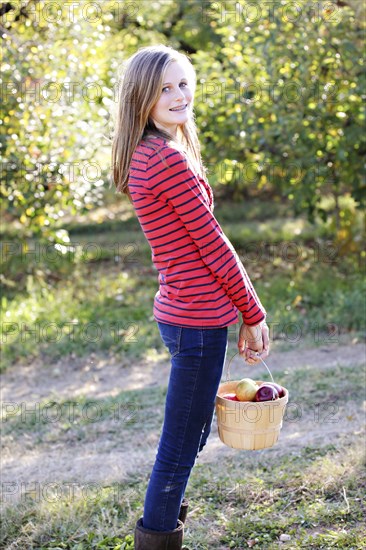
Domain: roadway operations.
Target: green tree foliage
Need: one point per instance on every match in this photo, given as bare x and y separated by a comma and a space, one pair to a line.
278, 103
283, 101
54, 95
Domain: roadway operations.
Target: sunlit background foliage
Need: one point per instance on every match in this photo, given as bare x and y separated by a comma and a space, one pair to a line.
279, 108
279, 100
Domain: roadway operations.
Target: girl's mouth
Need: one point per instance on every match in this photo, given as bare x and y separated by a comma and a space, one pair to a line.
178, 109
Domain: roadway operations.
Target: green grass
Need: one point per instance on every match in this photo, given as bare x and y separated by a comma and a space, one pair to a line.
98, 298
98, 295
314, 493
233, 503
57, 418
96, 310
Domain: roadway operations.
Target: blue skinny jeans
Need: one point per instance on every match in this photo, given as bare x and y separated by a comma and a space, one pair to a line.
197, 360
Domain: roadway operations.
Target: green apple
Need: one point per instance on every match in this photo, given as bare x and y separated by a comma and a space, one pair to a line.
246, 389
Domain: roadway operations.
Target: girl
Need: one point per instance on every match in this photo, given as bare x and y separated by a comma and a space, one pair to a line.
156, 161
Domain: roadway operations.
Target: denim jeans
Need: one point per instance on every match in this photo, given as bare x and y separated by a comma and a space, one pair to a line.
197, 360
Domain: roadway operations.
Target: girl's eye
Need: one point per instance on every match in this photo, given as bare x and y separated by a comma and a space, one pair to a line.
181, 84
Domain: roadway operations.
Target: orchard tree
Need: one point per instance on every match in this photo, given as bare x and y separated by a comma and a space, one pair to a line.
278, 102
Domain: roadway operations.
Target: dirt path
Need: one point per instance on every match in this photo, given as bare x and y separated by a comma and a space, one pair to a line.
105, 456
95, 376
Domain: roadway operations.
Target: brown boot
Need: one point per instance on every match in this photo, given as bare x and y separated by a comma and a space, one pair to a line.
183, 510
147, 539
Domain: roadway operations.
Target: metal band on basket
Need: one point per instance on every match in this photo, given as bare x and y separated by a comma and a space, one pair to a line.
237, 353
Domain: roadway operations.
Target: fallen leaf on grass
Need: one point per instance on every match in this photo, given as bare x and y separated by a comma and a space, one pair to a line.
252, 542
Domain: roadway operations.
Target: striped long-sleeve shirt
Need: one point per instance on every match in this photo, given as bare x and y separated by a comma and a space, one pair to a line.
202, 282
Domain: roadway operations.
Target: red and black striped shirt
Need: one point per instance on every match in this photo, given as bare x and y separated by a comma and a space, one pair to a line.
202, 282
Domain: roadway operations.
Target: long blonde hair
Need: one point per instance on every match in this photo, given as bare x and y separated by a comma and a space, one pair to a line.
139, 89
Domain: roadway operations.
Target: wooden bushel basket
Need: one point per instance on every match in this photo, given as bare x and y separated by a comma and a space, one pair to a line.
248, 425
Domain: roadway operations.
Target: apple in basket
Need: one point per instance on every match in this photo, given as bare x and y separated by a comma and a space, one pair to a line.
246, 389
230, 396
280, 390
266, 392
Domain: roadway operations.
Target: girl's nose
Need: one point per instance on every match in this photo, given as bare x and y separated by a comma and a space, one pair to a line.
180, 94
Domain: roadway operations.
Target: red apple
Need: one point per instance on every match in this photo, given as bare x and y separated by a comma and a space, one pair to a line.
266, 392
280, 390
230, 396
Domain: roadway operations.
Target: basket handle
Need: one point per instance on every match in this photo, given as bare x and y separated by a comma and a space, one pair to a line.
237, 353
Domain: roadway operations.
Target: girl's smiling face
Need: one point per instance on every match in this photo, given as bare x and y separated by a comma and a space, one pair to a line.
176, 93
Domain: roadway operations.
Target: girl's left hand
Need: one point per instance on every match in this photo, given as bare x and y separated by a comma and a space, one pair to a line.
254, 342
